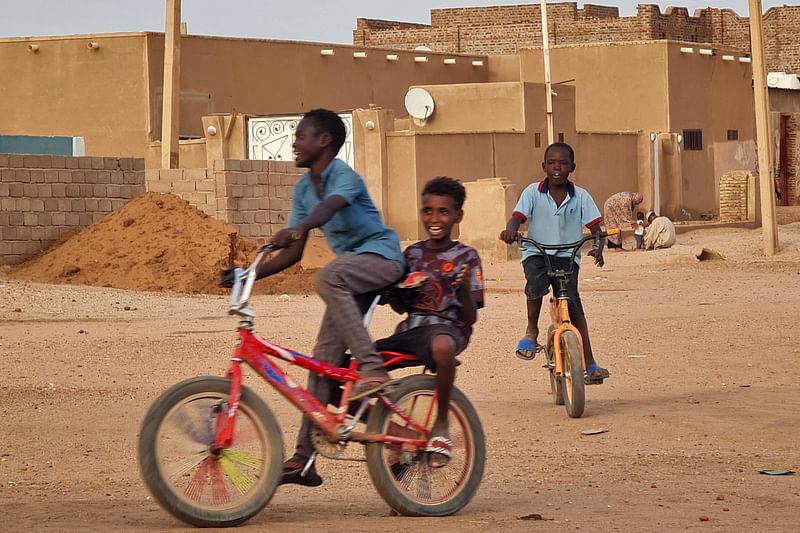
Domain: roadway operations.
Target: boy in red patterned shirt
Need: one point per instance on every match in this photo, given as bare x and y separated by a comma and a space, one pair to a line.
443, 309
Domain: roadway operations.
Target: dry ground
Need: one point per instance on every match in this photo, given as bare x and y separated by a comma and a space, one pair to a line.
703, 394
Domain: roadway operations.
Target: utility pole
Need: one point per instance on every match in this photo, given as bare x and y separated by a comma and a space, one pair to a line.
769, 228
548, 86
170, 109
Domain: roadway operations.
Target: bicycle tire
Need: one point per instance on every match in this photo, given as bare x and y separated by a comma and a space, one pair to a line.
418, 489
198, 488
556, 390
572, 381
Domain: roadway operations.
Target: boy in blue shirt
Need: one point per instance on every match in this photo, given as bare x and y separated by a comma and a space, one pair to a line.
332, 197
556, 211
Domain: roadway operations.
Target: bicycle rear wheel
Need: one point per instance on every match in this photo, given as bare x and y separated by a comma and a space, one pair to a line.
405, 479
572, 381
186, 477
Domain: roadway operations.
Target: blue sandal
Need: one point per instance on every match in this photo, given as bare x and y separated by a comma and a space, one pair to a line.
595, 374
528, 348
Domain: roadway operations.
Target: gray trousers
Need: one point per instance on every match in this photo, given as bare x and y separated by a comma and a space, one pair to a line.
338, 284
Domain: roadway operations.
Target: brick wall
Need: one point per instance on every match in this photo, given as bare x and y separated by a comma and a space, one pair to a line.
195, 185
733, 195
505, 29
253, 196
44, 197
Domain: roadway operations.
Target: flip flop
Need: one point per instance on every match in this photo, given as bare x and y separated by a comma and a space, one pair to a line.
293, 474
441, 446
528, 348
595, 374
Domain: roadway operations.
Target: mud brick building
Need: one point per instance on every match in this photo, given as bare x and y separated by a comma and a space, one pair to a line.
506, 29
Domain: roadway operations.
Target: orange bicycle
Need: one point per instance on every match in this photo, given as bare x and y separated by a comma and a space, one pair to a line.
566, 362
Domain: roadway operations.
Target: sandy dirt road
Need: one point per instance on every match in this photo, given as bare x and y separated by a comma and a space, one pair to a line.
704, 361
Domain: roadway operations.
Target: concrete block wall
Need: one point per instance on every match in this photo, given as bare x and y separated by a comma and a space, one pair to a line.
45, 197
506, 29
733, 196
197, 186
255, 196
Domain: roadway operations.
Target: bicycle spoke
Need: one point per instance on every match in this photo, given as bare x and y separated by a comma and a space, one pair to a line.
194, 490
219, 495
186, 465
237, 478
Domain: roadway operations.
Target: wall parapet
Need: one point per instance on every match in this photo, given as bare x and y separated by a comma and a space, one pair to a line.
506, 29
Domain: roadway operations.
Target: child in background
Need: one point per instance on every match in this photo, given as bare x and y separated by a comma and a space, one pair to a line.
638, 233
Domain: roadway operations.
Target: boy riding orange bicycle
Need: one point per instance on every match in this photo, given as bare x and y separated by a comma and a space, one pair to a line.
556, 211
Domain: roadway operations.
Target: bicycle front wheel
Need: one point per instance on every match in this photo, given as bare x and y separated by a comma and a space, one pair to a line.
574, 390
188, 479
405, 479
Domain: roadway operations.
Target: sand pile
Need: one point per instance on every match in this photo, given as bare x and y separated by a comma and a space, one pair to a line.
158, 242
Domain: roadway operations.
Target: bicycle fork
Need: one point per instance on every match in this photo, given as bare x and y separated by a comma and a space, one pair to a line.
559, 315
227, 421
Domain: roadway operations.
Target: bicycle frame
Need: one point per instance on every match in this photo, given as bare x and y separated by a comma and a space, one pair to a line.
256, 351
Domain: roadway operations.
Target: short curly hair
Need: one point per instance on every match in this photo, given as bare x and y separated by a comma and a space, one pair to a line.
446, 186
561, 146
329, 122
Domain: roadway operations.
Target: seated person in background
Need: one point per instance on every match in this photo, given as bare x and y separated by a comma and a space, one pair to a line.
660, 232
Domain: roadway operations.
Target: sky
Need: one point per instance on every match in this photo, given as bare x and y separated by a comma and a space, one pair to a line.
304, 20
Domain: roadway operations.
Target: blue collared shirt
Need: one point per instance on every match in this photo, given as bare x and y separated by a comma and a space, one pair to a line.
555, 224
355, 228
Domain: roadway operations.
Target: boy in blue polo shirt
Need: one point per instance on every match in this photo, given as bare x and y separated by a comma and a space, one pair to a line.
332, 197
557, 211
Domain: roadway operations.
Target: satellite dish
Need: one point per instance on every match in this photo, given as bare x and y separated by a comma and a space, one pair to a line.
419, 104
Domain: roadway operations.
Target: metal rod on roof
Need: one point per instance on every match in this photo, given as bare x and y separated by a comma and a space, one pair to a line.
170, 116
548, 86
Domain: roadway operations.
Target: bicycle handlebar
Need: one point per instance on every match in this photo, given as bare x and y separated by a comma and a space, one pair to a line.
574, 246
243, 280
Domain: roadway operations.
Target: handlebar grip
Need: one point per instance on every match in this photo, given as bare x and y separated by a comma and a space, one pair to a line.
227, 278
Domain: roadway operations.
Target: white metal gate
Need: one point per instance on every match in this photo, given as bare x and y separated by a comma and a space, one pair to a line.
271, 138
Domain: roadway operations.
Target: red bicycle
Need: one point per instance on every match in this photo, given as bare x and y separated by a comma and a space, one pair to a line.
211, 450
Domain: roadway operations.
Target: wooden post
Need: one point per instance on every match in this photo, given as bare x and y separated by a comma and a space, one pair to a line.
170, 110
769, 228
548, 85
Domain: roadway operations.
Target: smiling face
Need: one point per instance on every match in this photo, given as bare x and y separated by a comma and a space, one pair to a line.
439, 215
309, 144
557, 165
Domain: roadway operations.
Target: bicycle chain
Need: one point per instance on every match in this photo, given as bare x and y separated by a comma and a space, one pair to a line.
335, 450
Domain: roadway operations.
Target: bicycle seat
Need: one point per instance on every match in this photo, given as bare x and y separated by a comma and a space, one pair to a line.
397, 360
